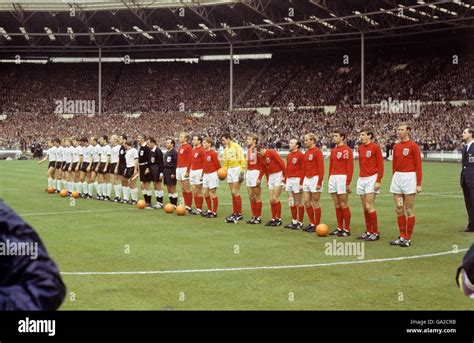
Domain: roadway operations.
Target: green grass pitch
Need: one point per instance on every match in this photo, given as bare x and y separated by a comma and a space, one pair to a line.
96, 236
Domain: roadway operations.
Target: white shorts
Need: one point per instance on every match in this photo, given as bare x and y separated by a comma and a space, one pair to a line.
310, 184
233, 174
366, 185
403, 183
293, 184
180, 172
337, 184
275, 180
251, 177
195, 177
210, 181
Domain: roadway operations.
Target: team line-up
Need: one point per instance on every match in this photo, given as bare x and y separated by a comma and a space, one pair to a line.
83, 165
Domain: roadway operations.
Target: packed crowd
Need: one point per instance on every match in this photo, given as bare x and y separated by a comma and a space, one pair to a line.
437, 127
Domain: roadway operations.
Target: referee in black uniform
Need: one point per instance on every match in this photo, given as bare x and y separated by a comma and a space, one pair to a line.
143, 157
169, 170
155, 170
467, 176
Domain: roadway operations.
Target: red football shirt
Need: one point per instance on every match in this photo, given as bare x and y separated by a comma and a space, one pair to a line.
210, 162
272, 162
341, 162
314, 164
407, 158
295, 165
185, 154
198, 158
370, 160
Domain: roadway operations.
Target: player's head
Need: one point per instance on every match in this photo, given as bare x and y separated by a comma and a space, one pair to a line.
93, 140
75, 142
260, 149
183, 138
310, 140
56, 142
252, 140
404, 130
127, 144
50, 143
67, 141
84, 141
151, 142
197, 141
366, 135
467, 134
294, 144
338, 136
122, 139
104, 139
207, 143
114, 139
226, 139
170, 144
141, 139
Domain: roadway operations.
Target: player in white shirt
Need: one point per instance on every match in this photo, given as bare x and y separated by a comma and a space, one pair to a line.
114, 159
77, 157
96, 150
51, 157
131, 173
86, 167
103, 170
59, 165
67, 158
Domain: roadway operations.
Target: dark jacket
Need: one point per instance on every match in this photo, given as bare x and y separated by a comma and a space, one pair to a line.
467, 171
26, 284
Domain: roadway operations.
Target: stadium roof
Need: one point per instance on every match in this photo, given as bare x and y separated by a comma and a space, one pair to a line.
79, 27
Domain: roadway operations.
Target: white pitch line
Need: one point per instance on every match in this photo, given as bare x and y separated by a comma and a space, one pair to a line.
74, 212
216, 270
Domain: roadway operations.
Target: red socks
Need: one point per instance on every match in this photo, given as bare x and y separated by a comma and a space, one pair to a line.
252, 207
346, 214
373, 222
215, 204
198, 200
402, 225
317, 215
310, 212
410, 227
368, 224
258, 208
188, 199
237, 204
300, 213
340, 219
294, 212
208, 203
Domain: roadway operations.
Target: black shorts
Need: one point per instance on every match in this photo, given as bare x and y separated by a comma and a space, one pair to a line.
59, 164
112, 168
167, 177
128, 173
94, 165
52, 164
121, 169
102, 169
154, 173
143, 177
74, 165
66, 166
84, 166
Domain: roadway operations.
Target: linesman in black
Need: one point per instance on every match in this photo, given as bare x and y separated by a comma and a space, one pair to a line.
120, 180
143, 158
155, 171
169, 170
467, 176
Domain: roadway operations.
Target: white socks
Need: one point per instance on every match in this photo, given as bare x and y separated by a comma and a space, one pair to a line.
118, 190
126, 193
134, 192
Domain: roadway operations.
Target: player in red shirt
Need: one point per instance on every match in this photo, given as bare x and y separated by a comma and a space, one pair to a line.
183, 167
406, 183
195, 175
210, 180
253, 179
294, 184
313, 181
341, 168
275, 172
368, 185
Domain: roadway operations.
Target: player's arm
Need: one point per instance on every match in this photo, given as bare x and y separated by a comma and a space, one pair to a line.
160, 161
43, 159
394, 160
108, 160
281, 163
217, 163
225, 156
418, 167
241, 159
350, 166
303, 170
320, 161
81, 158
380, 165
